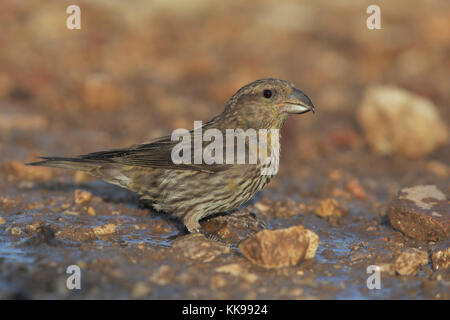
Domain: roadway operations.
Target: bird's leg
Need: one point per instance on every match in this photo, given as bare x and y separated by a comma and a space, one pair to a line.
245, 219
193, 226
191, 223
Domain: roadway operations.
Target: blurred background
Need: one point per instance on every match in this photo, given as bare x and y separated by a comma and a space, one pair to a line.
139, 69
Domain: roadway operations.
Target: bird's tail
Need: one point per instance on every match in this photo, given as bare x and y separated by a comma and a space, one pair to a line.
66, 163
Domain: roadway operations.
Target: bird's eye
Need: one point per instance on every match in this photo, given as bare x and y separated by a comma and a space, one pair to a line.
267, 93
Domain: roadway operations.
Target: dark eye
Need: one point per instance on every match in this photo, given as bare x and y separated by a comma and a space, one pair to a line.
267, 93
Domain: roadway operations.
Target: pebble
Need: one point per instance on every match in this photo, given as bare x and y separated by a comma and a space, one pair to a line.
18, 170
16, 231
140, 290
196, 247
355, 189
163, 276
280, 248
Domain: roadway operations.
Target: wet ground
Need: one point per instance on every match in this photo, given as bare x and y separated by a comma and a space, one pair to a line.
45, 231
160, 77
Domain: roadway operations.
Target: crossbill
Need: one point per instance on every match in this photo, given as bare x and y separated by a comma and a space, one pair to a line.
191, 190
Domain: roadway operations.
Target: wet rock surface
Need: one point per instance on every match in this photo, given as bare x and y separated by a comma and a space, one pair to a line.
421, 212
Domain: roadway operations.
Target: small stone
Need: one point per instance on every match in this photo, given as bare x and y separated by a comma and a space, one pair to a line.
105, 229
409, 261
196, 247
163, 276
2, 221
355, 189
6, 85
438, 168
100, 91
16, 231
280, 248
140, 290
330, 207
91, 211
22, 121
397, 121
81, 196
388, 268
421, 212
335, 175
71, 213
441, 256
123, 243
218, 281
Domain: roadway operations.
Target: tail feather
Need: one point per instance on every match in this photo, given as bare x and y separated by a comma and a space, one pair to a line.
66, 163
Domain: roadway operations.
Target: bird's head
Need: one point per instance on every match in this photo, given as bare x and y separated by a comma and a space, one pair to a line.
265, 103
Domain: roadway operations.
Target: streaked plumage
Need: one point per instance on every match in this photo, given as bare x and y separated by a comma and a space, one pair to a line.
194, 191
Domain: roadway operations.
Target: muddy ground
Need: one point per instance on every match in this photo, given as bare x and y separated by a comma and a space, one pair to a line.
135, 73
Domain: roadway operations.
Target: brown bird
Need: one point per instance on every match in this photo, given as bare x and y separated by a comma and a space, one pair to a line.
192, 191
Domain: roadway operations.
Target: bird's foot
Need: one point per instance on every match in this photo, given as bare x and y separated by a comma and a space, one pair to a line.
214, 237
245, 219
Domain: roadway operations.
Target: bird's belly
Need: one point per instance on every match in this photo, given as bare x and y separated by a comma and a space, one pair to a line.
180, 191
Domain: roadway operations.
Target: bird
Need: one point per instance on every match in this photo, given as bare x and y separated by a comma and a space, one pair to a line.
193, 191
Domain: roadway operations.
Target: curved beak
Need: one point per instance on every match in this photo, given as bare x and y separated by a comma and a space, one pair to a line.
298, 103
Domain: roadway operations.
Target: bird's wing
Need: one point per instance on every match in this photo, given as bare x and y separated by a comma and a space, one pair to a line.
154, 154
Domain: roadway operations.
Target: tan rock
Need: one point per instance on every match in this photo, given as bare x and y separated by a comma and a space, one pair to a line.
409, 261
397, 121
330, 207
140, 290
441, 256
280, 248
105, 229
